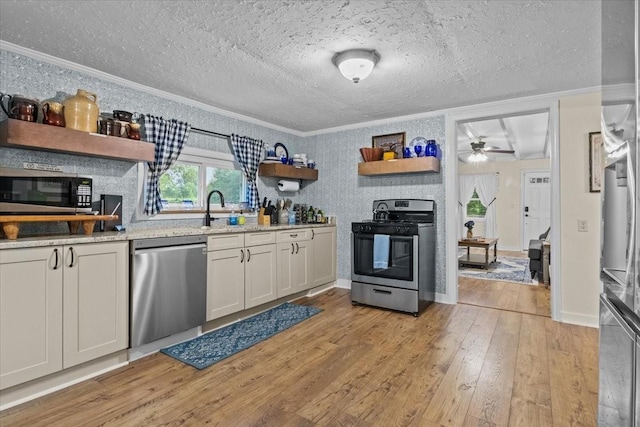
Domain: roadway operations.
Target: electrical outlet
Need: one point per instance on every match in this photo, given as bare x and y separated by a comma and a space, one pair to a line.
583, 226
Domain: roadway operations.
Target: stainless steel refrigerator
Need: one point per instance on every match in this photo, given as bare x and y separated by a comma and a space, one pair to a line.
619, 380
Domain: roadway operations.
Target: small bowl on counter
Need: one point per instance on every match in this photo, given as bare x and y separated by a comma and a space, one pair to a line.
370, 154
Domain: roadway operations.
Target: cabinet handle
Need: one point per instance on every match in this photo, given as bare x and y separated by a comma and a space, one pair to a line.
313, 234
248, 255
241, 256
55, 266
297, 248
293, 236
292, 249
72, 257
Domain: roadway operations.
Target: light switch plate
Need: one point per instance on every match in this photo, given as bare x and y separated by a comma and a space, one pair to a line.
583, 225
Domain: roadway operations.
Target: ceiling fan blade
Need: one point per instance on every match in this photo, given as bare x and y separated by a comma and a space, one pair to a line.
499, 151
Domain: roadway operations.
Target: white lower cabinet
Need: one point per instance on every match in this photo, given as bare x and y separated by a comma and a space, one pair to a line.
241, 272
225, 275
61, 306
324, 250
294, 261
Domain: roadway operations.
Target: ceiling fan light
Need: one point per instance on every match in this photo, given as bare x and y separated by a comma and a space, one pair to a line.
356, 64
477, 157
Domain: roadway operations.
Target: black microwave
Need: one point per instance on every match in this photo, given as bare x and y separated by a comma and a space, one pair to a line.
24, 191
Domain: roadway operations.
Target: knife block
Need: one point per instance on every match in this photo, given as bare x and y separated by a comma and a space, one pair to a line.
263, 219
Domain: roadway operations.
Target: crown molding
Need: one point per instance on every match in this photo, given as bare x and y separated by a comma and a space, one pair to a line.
10, 47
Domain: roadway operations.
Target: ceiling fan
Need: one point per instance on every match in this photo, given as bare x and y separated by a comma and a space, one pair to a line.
479, 148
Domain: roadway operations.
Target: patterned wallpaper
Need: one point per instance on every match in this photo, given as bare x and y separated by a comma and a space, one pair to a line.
339, 190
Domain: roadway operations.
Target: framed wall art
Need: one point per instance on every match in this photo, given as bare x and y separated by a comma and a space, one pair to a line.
596, 162
391, 142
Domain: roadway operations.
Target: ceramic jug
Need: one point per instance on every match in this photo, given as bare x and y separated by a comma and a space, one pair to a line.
53, 114
81, 111
20, 108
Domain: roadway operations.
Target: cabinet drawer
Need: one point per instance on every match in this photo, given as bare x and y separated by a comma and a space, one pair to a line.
294, 235
263, 238
225, 241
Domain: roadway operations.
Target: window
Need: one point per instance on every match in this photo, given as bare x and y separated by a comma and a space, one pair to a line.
475, 209
185, 186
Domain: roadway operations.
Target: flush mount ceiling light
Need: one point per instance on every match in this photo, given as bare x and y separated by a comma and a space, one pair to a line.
477, 157
356, 64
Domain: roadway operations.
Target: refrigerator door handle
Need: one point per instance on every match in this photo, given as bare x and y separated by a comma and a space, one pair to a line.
631, 186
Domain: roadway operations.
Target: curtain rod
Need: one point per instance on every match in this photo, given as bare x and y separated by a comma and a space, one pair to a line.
208, 132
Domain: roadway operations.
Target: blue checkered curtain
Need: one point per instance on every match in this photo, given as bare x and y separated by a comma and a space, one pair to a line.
169, 136
248, 152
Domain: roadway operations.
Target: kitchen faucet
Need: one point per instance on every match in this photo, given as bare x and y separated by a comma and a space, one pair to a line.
207, 217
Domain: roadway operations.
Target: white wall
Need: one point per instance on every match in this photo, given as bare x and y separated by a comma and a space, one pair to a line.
508, 202
580, 253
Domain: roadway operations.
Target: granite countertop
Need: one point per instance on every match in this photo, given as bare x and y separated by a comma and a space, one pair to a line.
148, 233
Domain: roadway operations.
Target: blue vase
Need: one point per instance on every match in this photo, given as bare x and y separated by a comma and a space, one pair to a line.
431, 150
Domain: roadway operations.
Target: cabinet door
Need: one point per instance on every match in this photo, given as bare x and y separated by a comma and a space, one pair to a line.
324, 255
30, 314
260, 275
302, 265
284, 273
96, 301
225, 282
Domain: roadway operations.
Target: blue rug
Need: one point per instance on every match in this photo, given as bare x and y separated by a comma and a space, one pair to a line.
214, 346
507, 269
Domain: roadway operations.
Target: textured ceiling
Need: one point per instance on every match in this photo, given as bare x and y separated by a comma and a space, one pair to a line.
271, 60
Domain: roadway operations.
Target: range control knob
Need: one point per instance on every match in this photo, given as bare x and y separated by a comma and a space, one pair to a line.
398, 230
367, 228
406, 230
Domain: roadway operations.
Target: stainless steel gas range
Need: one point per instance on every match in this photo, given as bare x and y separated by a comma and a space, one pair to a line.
393, 256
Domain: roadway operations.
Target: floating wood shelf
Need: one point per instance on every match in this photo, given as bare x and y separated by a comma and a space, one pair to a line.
37, 136
11, 223
279, 170
388, 167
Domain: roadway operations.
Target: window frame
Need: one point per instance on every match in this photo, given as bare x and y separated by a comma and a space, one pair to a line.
474, 217
202, 158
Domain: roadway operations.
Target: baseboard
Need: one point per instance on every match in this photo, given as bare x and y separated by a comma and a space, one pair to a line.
580, 319
39, 387
445, 299
343, 284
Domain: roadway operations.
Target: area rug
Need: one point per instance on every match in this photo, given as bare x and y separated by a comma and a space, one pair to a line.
215, 346
508, 269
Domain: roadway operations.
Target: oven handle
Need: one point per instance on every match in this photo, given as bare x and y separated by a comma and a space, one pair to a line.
380, 291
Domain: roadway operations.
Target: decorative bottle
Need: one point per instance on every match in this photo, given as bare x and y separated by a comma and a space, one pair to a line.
431, 150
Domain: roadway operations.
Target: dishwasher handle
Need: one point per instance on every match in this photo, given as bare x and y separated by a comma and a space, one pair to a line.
170, 249
160, 242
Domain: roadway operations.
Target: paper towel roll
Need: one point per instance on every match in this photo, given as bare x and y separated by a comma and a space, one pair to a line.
286, 185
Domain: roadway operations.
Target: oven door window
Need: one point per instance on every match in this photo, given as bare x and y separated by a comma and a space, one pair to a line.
401, 257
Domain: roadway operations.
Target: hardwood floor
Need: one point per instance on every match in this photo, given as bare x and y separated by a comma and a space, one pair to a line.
459, 365
531, 299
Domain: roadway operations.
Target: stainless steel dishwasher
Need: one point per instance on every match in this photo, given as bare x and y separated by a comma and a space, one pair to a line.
168, 286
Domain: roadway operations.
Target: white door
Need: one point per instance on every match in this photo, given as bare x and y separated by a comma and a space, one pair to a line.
536, 190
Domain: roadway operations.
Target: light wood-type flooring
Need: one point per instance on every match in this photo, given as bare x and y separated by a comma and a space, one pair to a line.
522, 298
458, 365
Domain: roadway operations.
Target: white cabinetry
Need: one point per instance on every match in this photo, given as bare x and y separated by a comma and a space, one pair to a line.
96, 301
225, 275
323, 248
61, 306
260, 268
294, 261
241, 272
30, 314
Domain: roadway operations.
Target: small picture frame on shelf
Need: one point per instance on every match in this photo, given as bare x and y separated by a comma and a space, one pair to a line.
390, 142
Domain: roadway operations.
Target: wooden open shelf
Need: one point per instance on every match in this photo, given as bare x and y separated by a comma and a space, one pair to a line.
279, 170
37, 136
11, 223
388, 167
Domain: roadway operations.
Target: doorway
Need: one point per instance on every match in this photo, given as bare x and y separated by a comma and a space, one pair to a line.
459, 124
